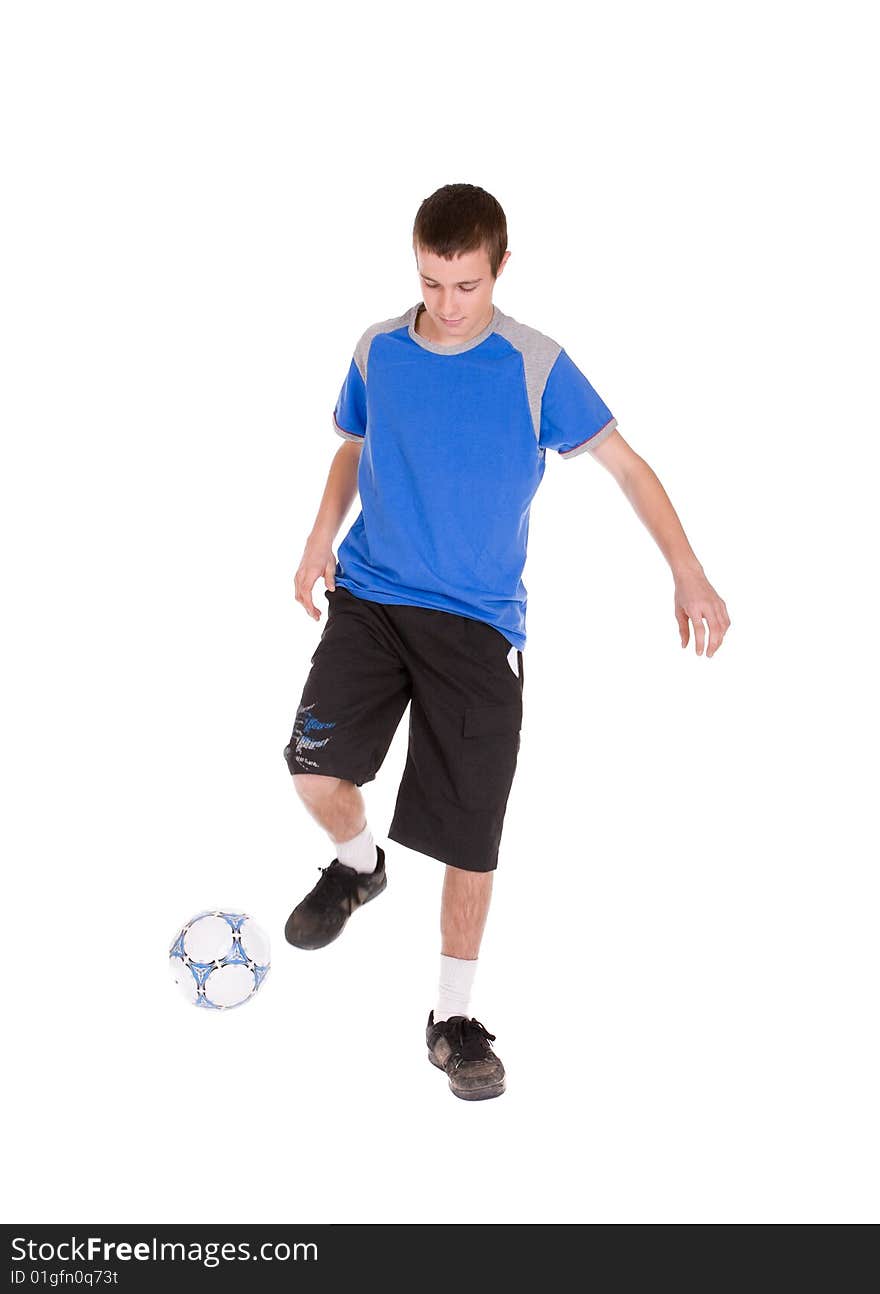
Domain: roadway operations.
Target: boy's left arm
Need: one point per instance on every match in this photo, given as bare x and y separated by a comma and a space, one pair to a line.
695, 598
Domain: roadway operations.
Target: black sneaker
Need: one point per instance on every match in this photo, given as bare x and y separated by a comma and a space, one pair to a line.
321, 916
462, 1048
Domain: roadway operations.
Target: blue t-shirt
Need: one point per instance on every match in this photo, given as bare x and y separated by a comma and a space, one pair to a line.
454, 442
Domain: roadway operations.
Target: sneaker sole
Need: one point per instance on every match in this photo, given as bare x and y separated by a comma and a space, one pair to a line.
478, 1094
312, 947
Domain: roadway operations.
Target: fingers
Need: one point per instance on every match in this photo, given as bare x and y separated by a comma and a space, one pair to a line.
718, 623
715, 635
306, 600
302, 587
699, 632
692, 608
310, 570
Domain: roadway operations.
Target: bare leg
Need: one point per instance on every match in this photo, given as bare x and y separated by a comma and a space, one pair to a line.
463, 1048
337, 805
463, 911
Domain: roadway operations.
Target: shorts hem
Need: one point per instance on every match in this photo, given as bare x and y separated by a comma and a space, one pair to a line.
344, 775
430, 849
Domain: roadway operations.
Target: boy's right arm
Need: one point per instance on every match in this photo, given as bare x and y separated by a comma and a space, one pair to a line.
318, 558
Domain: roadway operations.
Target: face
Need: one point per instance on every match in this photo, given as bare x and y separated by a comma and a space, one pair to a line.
457, 294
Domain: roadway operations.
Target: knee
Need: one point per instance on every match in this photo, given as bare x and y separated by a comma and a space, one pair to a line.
315, 788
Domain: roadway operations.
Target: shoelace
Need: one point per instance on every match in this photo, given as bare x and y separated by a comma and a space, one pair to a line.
473, 1039
332, 887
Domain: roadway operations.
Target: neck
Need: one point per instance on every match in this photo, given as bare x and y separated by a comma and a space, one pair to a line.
445, 340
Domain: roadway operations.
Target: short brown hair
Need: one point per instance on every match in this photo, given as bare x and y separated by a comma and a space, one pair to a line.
461, 218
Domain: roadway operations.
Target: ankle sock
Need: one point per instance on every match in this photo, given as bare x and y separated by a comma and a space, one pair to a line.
360, 852
454, 991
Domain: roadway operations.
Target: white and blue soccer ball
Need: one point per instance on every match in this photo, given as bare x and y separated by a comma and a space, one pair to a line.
220, 959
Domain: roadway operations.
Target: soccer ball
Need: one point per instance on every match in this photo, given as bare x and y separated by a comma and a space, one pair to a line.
219, 959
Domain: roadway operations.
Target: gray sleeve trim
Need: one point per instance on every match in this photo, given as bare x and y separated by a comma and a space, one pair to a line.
362, 349
593, 441
346, 435
539, 353
361, 354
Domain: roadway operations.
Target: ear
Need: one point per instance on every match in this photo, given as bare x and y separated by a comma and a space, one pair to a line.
504, 259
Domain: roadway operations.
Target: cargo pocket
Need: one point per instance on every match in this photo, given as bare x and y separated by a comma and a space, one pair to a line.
489, 749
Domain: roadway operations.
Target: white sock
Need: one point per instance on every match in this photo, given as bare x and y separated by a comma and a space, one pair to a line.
454, 992
359, 852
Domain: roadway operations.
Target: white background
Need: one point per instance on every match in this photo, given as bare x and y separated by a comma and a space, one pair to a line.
206, 204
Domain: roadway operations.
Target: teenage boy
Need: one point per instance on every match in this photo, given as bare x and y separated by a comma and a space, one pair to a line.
447, 413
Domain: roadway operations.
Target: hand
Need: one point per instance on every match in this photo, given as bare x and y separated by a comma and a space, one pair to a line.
318, 559
696, 600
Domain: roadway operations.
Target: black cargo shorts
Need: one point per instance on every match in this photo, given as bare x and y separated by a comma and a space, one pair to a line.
463, 681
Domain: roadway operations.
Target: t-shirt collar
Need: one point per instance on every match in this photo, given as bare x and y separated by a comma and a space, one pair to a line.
459, 346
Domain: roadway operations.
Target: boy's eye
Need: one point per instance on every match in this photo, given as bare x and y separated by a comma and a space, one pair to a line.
434, 285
